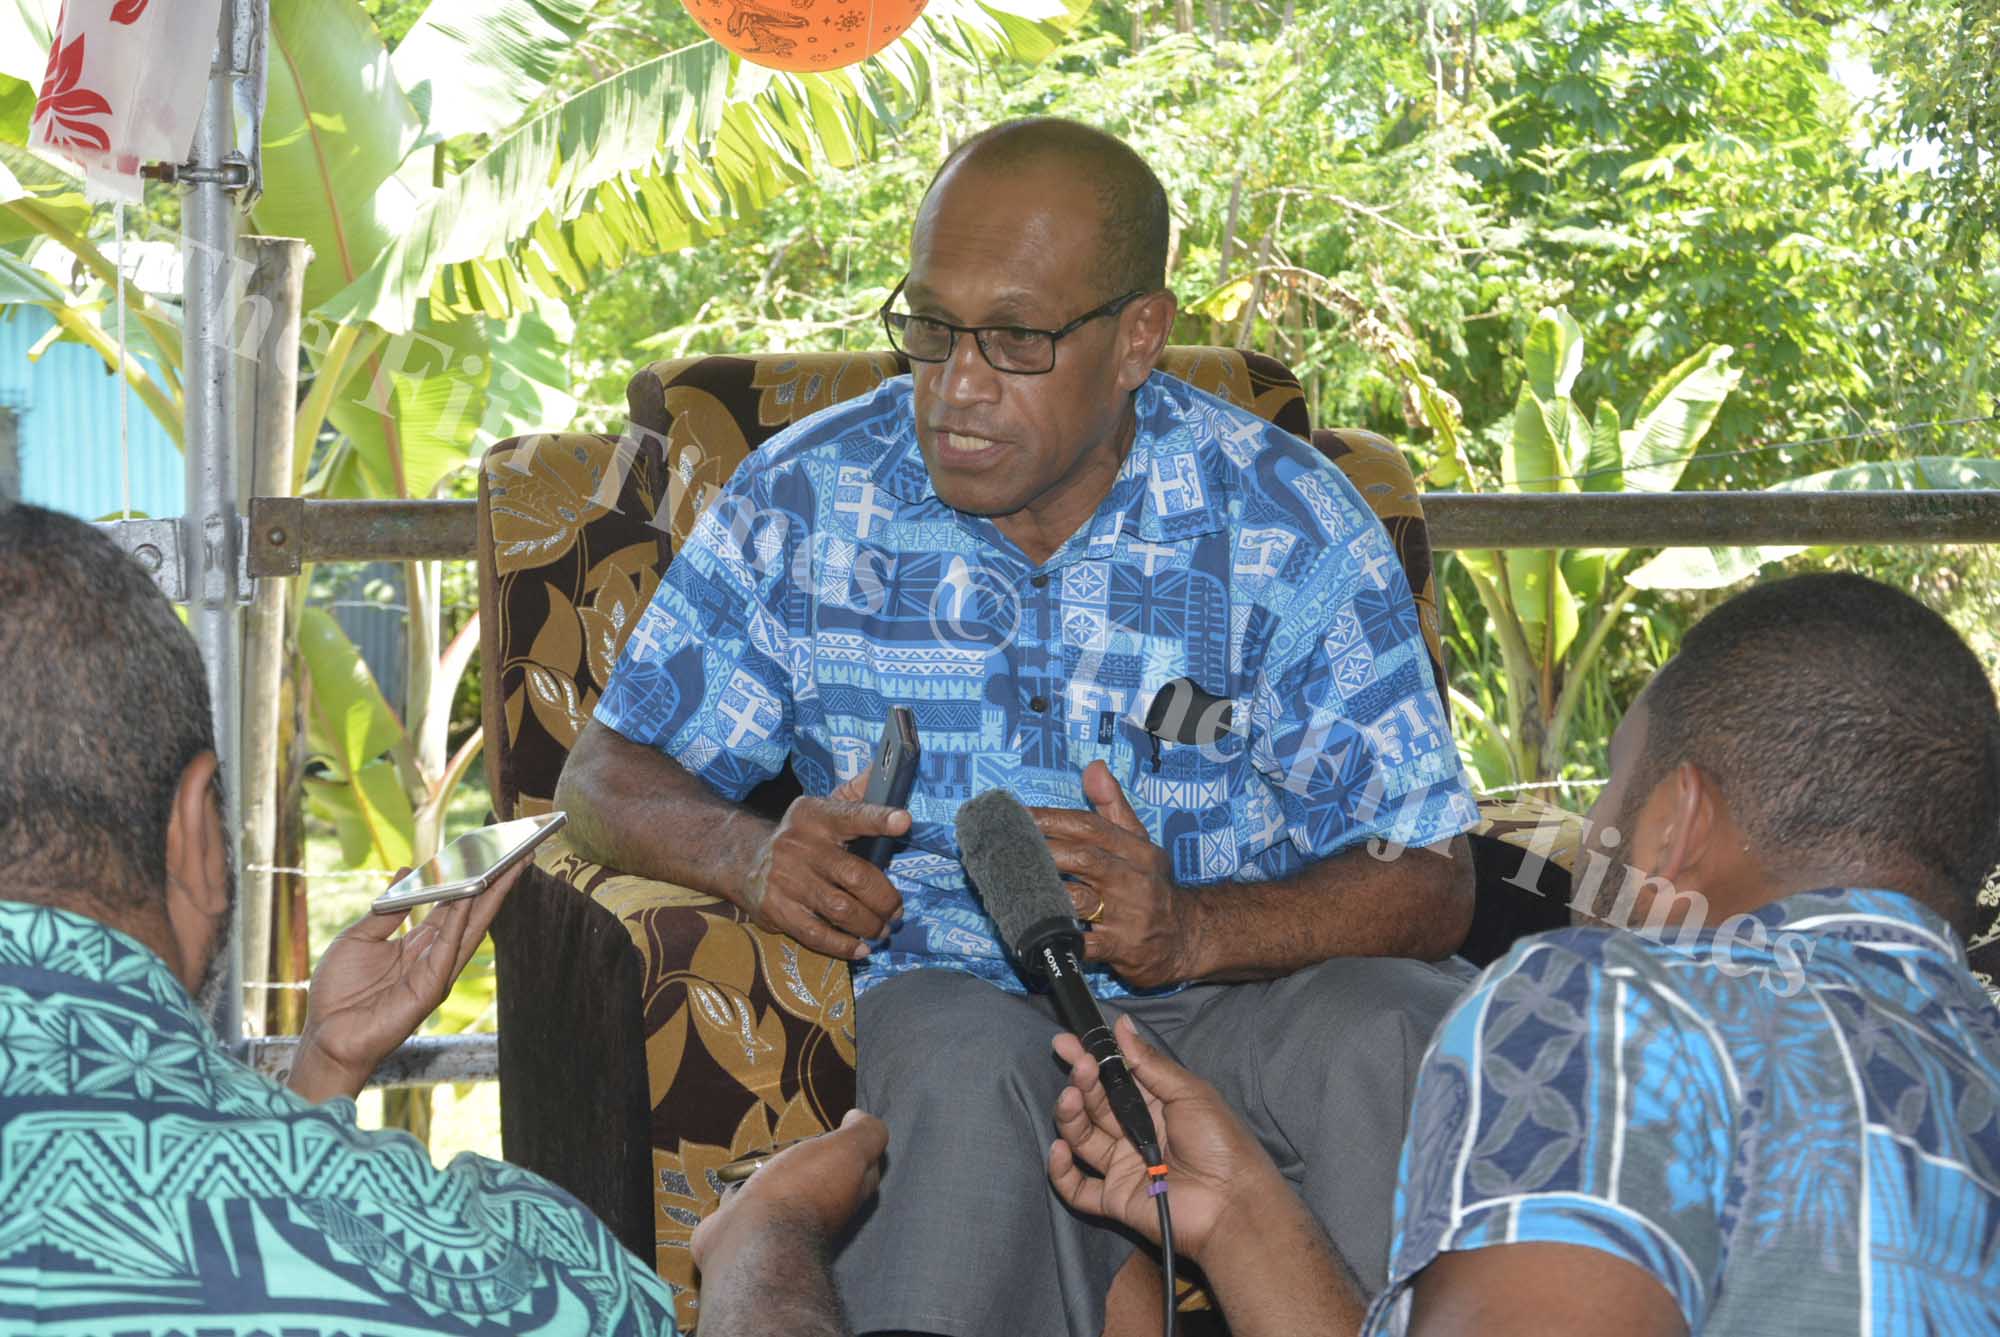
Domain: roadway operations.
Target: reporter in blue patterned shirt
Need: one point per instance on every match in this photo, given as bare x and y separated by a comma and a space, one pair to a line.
150, 1184
1026, 543
1765, 1099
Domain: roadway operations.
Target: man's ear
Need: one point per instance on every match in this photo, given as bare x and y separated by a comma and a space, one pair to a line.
1148, 324
1693, 805
197, 864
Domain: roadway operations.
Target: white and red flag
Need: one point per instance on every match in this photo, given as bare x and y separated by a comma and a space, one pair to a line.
124, 87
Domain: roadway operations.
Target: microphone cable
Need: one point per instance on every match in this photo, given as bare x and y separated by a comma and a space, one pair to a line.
1170, 1323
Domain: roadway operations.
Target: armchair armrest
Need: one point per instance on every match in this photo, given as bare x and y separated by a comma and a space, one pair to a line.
650, 1034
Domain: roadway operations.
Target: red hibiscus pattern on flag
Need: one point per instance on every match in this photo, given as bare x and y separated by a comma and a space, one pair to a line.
67, 104
128, 11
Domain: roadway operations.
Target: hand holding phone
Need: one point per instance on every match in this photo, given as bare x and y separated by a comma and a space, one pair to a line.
374, 986
470, 864
891, 777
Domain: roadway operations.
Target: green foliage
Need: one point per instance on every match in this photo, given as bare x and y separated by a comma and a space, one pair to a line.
1945, 55
476, 66
1537, 601
337, 127
660, 155
358, 737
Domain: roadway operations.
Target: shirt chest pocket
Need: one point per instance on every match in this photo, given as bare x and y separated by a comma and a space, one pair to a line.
1182, 777
1190, 797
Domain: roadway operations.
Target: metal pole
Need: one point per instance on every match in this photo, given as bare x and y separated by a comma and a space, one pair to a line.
10, 455
277, 279
209, 537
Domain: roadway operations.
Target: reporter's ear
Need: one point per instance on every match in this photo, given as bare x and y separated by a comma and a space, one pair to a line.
197, 891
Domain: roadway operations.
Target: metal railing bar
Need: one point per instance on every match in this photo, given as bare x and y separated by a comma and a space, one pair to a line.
424, 1060
286, 532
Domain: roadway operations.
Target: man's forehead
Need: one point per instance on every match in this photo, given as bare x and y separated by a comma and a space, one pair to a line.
1044, 202
958, 287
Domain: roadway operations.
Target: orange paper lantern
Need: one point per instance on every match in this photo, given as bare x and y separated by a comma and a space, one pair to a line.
804, 35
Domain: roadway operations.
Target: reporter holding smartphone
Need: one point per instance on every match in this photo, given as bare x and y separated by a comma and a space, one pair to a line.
149, 1182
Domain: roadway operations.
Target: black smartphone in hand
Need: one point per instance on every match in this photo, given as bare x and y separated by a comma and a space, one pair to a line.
892, 775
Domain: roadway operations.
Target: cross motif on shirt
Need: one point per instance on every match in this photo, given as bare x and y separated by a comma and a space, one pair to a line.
744, 717
1272, 827
1152, 552
644, 640
864, 510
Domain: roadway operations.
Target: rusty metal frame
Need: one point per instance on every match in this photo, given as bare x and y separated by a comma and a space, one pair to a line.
285, 532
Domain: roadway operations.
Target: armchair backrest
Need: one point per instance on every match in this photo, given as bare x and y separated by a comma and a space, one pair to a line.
575, 530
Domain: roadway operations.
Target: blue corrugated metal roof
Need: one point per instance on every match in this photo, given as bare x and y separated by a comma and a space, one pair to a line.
68, 404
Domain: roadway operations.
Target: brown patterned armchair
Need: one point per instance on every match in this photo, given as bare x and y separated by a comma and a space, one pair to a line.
648, 1033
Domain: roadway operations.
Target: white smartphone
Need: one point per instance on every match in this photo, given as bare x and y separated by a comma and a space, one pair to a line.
470, 864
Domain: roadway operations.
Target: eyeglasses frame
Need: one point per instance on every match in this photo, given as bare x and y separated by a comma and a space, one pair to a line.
979, 332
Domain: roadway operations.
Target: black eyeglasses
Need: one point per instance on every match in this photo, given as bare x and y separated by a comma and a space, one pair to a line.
1010, 348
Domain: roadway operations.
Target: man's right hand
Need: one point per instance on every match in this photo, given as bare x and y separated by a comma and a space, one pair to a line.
813, 1188
806, 885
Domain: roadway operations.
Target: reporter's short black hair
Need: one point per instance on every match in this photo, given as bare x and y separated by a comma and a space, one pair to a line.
1840, 718
105, 706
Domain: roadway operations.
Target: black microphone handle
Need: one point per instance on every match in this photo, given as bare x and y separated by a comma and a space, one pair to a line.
1078, 1011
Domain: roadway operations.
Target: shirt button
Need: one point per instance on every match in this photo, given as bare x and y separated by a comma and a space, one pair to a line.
1040, 581
1038, 704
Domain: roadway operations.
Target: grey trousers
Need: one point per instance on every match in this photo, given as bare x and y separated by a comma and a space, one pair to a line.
967, 1238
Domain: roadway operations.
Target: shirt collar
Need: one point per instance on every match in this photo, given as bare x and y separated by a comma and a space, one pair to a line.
1168, 487
902, 472
1866, 917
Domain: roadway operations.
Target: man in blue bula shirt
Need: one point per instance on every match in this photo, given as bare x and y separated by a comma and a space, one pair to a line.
1026, 542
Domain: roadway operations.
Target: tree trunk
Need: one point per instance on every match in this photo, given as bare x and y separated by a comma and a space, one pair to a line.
1184, 16
1228, 254
408, 1108
1249, 325
277, 278
291, 937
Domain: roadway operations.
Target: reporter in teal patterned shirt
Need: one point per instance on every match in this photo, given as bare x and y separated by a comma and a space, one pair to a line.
149, 1183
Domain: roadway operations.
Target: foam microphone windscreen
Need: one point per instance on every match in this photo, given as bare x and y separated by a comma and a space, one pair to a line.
1010, 866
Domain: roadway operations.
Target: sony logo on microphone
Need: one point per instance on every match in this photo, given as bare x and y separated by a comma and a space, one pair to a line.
1052, 963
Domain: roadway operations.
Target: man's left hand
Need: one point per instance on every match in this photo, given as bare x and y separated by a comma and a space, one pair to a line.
370, 991
1121, 883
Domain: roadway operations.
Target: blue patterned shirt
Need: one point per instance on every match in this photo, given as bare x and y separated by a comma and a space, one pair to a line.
1792, 1120
829, 582
150, 1184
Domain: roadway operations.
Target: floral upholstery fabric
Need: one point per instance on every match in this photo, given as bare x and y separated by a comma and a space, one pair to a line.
748, 1038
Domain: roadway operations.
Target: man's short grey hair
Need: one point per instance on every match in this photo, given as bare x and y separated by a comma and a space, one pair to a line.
106, 705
